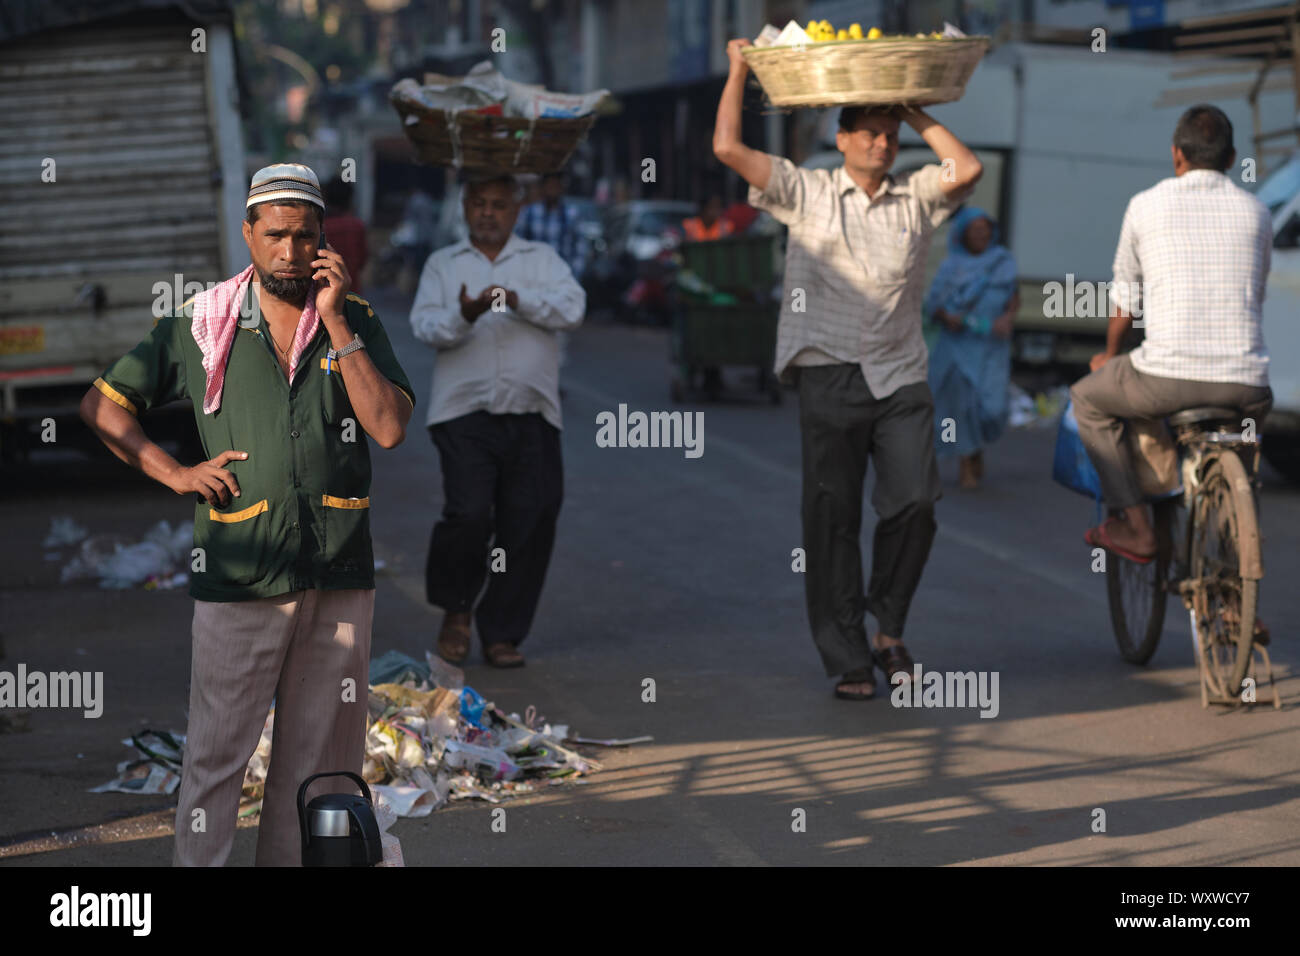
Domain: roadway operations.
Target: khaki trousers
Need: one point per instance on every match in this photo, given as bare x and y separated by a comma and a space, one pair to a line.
1117, 391
300, 649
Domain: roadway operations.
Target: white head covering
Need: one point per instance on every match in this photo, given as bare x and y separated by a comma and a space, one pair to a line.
285, 181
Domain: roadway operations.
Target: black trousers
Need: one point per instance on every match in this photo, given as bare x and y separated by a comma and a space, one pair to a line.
842, 424
503, 483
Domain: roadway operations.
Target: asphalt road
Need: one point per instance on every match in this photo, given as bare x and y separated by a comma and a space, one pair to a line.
678, 569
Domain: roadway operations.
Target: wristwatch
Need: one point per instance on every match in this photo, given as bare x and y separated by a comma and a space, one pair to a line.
333, 355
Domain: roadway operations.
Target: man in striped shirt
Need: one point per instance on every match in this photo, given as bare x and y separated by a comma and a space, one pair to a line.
1193, 259
850, 334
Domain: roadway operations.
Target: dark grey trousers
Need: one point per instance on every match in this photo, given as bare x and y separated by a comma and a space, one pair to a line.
1117, 391
842, 424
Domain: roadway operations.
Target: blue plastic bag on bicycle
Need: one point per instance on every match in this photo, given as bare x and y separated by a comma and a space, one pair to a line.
1071, 465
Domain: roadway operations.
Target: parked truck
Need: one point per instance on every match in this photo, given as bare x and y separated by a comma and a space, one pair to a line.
121, 183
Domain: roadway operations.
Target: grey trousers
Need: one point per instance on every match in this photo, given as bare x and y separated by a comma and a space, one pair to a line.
311, 651
1117, 391
842, 424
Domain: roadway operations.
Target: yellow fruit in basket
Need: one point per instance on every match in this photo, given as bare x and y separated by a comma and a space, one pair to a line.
826, 27
874, 33
855, 31
813, 29
841, 34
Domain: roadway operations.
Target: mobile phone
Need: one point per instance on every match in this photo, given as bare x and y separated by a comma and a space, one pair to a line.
321, 242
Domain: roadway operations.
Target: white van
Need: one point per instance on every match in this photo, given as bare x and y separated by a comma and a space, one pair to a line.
1280, 192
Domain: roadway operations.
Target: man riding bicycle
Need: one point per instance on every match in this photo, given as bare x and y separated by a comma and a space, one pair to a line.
1200, 248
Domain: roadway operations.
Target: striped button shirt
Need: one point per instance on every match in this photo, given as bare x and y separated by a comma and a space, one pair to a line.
854, 269
557, 227
1193, 257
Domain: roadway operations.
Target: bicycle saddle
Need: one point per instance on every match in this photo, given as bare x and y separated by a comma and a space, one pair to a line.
1204, 415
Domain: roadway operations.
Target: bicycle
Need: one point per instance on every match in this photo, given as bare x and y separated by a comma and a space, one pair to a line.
1211, 559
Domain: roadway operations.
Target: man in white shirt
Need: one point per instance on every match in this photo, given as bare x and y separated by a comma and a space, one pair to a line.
492, 306
1193, 256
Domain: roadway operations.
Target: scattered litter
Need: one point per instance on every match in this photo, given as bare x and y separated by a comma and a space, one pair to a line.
443, 674
159, 561
64, 530
610, 741
394, 667
430, 740
158, 770
258, 764
385, 816
1042, 408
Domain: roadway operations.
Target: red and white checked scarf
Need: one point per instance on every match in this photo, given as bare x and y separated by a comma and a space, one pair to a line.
216, 319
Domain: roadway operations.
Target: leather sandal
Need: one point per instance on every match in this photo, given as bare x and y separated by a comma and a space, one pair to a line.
863, 675
893, 659
503, 655
453, 642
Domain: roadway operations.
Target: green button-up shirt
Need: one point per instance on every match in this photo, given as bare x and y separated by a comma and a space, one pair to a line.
303, 516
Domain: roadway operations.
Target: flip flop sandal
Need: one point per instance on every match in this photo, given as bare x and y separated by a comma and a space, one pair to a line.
893, 659
861, 676
1098, 538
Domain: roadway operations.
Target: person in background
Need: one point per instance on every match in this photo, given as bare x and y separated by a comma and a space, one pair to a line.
555, 222
856, 350
344, 231
975, 300
710, 223
741, 215
491, 306
1193, 256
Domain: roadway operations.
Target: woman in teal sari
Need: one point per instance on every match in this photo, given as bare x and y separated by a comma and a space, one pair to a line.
974, 301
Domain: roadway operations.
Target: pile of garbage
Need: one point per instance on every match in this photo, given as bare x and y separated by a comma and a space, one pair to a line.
430, 740
160, 560
485, 90
1042, 408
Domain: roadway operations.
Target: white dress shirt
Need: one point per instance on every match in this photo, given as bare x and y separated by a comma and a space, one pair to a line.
505, 362
1193, 255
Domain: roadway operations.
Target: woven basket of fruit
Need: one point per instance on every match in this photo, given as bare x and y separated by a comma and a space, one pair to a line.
847, 68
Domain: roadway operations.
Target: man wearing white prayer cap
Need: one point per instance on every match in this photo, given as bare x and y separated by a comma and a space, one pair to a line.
288, 373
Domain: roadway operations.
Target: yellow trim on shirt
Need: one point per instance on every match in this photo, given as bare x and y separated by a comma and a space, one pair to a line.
350, 504
356, 298
325, 365
115, 396
233, 516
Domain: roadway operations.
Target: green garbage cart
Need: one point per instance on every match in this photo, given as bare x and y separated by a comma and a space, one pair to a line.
726, 314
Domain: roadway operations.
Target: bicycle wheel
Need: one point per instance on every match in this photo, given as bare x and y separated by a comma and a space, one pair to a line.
1137, 593
1225, 525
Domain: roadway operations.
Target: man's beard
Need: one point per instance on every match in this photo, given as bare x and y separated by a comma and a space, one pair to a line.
293, 291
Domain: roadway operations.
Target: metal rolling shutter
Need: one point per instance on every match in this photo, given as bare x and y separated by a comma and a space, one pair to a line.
123, 111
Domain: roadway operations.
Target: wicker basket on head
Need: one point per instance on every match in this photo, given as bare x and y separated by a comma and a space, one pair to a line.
906, 70
484, 143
